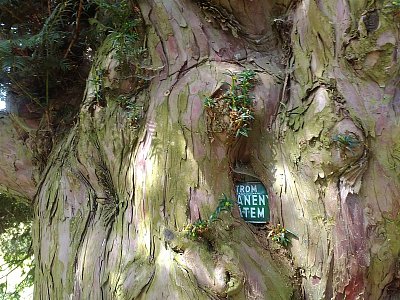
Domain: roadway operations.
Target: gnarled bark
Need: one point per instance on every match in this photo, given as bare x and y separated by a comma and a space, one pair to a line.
118, 197
114, 198
342, 202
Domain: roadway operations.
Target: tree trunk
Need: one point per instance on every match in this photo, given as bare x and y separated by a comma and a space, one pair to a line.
117, 193
17, 170
116, 197
341, 200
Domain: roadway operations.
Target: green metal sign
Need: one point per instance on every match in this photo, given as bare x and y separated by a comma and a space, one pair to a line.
252, 199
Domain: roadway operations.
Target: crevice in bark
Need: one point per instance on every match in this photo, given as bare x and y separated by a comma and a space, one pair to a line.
110, 201
329, 294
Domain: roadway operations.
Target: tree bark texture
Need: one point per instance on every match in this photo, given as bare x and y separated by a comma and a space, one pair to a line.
342, 203
114, 199
17, 168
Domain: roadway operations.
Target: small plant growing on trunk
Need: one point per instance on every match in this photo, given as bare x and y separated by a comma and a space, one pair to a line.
281, 235
347, 141
230, 108
198, 229
132, 108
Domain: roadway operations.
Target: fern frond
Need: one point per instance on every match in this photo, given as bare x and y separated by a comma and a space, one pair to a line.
5, 48
16, 63
65, 64
8, 60
50, 32
27, 42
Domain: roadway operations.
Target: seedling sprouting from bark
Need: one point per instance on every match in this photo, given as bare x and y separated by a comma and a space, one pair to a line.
197, 230
231, 108
225, 204
346, 141
280, 235
97, 81
133, 110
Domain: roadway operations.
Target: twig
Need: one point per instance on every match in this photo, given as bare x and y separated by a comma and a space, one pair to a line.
23, 90
12, 14
77, 29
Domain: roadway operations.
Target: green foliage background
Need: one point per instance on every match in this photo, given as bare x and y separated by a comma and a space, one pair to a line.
15, 246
